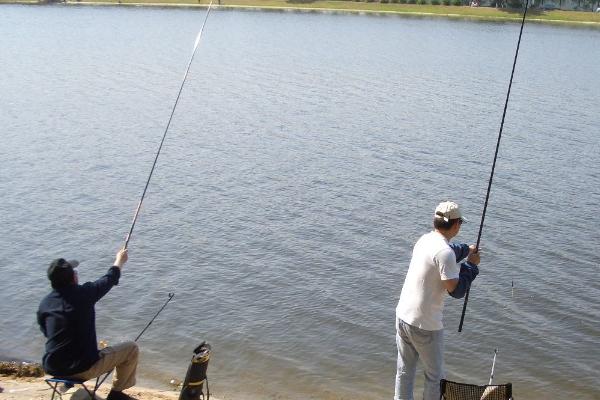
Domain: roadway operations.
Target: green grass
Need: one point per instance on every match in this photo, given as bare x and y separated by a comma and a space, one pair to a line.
476, 12
484, 13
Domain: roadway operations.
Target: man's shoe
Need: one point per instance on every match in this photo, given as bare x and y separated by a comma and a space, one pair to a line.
116, 395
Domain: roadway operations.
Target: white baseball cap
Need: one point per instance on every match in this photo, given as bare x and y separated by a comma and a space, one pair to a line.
448, 210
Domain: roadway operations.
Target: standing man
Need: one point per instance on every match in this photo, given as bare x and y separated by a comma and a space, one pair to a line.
68, 320
433, 273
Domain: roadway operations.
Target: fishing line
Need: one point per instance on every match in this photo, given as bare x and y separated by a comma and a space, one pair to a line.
487, 195
139, 206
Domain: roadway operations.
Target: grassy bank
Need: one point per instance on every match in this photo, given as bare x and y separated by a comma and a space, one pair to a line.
483, 13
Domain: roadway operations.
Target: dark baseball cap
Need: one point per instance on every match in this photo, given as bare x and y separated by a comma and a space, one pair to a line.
60, 271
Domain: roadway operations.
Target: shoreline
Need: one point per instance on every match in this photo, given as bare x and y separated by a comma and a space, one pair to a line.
20, 380
32, 388
490, 14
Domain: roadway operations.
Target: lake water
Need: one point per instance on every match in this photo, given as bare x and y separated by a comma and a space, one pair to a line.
305, 158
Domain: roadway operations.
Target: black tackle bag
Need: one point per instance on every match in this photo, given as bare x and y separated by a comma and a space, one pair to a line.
195, 378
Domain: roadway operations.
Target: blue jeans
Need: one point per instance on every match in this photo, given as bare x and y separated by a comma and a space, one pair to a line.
414, 343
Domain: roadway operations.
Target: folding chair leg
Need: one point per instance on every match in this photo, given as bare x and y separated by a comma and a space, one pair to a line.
53, 389
97, 384
91, 394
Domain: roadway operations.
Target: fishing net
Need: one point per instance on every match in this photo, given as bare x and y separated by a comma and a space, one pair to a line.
464, 391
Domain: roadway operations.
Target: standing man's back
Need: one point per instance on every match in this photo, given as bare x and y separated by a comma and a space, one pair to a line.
422, 298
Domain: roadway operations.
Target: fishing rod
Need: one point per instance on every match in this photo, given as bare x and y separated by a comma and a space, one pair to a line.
171, 295
139, 206
487, 195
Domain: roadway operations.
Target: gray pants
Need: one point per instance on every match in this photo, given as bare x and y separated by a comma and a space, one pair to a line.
414, 343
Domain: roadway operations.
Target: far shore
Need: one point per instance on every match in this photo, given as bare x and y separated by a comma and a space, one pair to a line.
580, 18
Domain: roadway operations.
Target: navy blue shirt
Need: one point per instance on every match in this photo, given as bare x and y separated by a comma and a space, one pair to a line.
68, 320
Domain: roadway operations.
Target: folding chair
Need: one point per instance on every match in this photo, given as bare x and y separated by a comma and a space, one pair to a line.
69, 383
463, 391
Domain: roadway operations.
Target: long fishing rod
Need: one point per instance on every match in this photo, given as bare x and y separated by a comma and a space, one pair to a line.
487, 195
171, 295
139, 206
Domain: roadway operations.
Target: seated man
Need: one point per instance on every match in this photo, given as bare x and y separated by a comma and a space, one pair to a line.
68, 320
